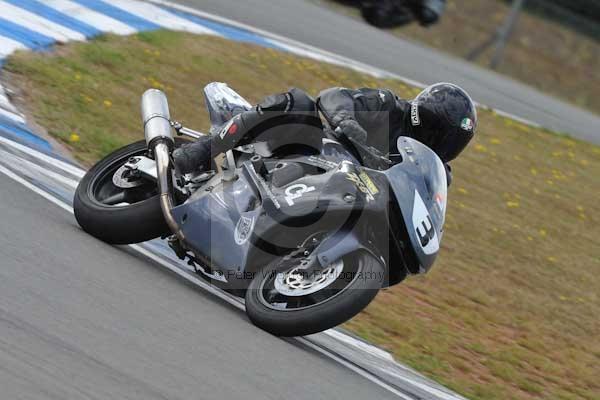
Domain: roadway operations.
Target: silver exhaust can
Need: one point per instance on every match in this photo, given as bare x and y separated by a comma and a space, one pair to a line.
156, 117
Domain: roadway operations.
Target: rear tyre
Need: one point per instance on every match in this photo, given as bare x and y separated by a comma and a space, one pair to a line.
356, 283
116, 215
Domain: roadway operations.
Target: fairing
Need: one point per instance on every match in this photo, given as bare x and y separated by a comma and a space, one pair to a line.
223, 103
419, 185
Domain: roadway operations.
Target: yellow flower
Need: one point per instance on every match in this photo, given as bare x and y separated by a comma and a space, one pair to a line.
530, 238
512, 204
462, 190
495, 141
580, 208
582, 216
551, 259
543, 233
481, 148
107, 103
77, 77
74, 138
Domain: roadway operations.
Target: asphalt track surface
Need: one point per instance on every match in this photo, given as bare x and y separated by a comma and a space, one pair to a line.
82, 319
314, 25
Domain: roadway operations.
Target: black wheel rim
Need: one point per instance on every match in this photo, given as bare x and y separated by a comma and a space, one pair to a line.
105, 193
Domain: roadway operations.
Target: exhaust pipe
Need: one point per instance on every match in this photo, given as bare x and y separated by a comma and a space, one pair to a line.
159, 138
156, 117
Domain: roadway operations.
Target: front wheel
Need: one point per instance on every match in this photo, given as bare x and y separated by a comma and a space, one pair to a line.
123, 213
286, 302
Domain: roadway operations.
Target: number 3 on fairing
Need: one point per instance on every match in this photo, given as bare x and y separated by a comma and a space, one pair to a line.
423, 225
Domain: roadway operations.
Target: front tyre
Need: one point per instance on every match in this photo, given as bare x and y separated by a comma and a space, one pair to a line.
114, 214
282, 301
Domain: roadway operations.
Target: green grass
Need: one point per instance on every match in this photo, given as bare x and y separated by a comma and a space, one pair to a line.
511, 309
543, 53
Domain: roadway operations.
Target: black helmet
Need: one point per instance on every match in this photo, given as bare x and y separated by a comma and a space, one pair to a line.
444, 118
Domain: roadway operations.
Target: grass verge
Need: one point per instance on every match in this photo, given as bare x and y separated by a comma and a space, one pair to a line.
511, 309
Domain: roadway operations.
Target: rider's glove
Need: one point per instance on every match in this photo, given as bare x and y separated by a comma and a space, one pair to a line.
352, 129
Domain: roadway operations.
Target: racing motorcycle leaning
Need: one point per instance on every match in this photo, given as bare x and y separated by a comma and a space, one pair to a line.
307, 228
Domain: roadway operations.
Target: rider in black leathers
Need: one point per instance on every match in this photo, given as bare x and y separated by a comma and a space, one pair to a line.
442, 117
393, 13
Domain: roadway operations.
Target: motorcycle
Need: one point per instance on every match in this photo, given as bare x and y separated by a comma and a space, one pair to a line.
307, 232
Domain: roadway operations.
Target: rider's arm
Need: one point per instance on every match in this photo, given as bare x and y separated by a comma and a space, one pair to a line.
369, 107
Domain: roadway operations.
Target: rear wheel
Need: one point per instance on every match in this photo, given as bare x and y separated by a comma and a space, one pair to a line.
118, 208
286, 302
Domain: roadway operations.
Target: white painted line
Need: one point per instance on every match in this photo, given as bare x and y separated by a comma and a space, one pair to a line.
516, 118
161, 17
16, 160
98, 20
8, 46
38, 24
439, 394
70, 169
368, 348
356, 369
18, 118
35, 189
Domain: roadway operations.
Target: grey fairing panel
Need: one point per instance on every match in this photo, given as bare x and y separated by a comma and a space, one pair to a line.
212, 218
409, 183
209, 223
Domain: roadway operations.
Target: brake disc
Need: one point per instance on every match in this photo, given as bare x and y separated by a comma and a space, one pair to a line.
125, 178
296, 283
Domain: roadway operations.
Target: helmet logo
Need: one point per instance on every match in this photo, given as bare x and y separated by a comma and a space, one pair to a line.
467, 125
415, 119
